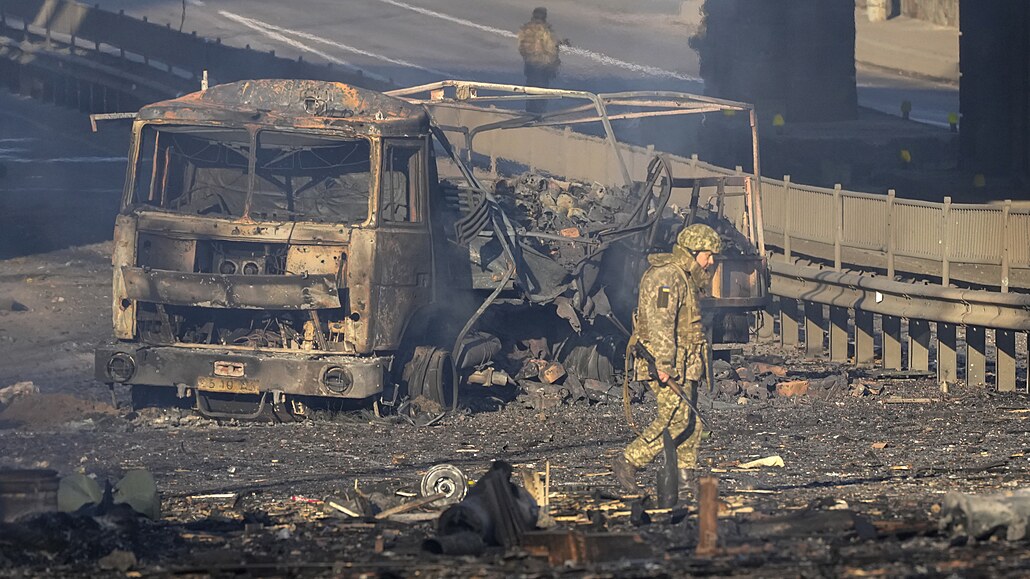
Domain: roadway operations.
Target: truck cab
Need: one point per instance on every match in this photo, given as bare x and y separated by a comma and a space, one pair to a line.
273, 239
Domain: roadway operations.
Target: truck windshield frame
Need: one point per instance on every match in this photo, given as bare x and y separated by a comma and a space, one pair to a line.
256, 174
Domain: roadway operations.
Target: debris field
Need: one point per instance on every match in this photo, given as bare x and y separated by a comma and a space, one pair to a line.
867, 461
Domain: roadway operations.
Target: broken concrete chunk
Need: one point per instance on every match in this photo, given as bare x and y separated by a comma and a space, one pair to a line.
553, 372
118, 560
763, 368
1003, 514
792, 388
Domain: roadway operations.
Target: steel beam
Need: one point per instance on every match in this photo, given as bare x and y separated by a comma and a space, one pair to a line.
1005, 366
814, 334
947, 353
976, 356
918, 345
839, 318
891, 342
865, 349
790, 322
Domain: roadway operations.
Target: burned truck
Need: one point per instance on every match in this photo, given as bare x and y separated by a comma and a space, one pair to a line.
284, 241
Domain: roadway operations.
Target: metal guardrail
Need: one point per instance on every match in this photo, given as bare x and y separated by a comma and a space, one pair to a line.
876, 230
983, 245
854, 300
162, 46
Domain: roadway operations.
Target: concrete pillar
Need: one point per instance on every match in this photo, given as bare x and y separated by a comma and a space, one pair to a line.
877, 10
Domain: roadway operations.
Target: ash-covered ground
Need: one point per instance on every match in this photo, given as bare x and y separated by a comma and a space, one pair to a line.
885, 451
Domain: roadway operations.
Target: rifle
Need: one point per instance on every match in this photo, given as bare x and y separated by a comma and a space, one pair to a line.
652, 366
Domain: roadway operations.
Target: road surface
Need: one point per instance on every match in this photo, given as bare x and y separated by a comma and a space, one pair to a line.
417, 41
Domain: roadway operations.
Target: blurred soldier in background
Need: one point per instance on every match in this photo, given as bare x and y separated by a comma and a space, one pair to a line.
538, 46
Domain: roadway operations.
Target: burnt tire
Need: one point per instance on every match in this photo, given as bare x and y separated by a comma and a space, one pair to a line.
430, 373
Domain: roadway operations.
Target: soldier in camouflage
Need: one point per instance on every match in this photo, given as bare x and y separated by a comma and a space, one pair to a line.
538, 46
667, 323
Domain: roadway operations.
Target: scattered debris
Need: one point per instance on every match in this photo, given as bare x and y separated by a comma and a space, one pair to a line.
708, 517
118, 560
1003, 515
900, 400
137, 490
9, 305
495, 512
42, 411
866, 388
763, 368
563, 547
810, 522
410, 506
446, 480
770, 461
792, 388
15, 391
24, 493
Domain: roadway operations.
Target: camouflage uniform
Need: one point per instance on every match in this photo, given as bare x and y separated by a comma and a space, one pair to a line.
668, 323
539, 49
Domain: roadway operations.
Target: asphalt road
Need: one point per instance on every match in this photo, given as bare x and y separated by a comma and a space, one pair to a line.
62, 182
417, 41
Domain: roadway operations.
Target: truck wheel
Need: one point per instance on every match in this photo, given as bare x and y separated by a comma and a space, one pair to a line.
430, 373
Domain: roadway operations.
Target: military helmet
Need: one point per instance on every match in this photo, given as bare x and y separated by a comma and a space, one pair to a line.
699, 237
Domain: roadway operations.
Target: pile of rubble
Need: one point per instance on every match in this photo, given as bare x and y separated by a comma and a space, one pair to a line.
762, 380
541, 204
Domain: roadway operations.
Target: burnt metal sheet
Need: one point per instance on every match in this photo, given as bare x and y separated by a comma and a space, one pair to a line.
280, 292
298, 104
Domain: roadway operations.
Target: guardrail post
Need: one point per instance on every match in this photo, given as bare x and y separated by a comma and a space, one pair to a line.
918, 345
838, 226
786, 218
890, 234
839, 333
1005, 364
813, 329
976, 356
1005, 246
947, 353
865, 353
946, 243
891, 341
790, 322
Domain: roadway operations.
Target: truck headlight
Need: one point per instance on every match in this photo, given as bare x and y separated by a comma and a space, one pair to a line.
337, 380
121, 367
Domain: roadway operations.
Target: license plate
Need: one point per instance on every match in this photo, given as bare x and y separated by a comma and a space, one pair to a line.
233, 385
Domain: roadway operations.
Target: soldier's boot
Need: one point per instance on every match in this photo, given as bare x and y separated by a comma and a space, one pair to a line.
689, 478
625, 473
